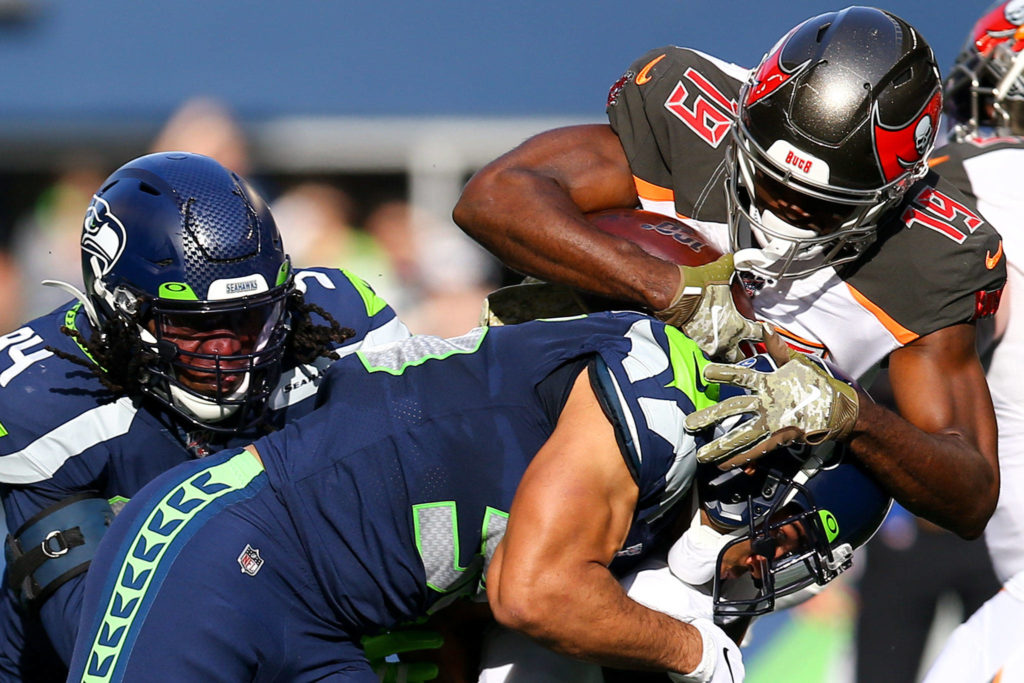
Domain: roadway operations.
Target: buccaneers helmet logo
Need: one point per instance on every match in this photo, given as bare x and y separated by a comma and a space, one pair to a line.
772, 73
1005, 22
900, 148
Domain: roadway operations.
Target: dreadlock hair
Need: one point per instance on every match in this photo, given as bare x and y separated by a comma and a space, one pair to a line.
117, 357
309, 341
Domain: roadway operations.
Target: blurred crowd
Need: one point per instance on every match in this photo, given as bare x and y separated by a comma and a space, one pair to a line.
426, 268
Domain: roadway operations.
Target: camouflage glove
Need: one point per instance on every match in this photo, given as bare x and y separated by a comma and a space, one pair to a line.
379, 648
800, 402
704, 310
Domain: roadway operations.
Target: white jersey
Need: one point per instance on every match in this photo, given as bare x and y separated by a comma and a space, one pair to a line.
987, 647
989, 170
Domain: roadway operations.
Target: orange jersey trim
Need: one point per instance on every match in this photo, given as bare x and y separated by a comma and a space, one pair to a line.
786, 334
652, 192
902, 334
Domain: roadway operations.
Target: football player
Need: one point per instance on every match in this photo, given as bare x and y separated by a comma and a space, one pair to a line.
194, 333
758, 537
811, 169
536, 461
985, 112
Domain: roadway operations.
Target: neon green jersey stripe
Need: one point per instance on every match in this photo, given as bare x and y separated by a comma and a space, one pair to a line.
164, 523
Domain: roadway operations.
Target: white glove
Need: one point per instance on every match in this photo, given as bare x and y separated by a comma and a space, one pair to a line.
721, 661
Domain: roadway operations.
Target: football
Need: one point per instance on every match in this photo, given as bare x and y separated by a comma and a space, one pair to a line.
668, 239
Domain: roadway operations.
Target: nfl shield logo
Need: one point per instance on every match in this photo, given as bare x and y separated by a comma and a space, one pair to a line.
250, 560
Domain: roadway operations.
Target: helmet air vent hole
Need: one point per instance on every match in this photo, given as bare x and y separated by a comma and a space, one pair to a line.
902, 78
821, 32
149, 189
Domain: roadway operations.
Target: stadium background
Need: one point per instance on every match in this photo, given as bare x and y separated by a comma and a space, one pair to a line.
389, 102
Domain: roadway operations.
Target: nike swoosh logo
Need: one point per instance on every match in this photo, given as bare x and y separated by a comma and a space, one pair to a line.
813, 394
725, 653
990, 260
645, 73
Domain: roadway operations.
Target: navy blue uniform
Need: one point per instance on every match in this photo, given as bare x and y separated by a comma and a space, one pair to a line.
380, 506
62, 435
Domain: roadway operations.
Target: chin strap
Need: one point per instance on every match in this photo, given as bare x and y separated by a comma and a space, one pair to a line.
207, 410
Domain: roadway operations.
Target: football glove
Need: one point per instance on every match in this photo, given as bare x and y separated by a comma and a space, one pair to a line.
798, 403
704, 309
720, 662
382, 648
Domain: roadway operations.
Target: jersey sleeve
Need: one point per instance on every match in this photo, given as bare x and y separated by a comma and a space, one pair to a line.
646, 393
51, 412
672, 111
936, 263
354, 304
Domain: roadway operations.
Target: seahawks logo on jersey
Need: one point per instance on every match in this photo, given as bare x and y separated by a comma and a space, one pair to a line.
103, 235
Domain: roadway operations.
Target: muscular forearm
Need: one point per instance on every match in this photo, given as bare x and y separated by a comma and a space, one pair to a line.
940, 476
549, 238
597, 622
527, 207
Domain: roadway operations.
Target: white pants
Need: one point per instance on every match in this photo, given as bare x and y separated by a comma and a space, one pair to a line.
989, 644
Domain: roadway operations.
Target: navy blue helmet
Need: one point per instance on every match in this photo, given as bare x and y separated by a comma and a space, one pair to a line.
184, 254
833, 504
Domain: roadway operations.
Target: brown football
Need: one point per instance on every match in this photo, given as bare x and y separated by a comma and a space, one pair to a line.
668, 239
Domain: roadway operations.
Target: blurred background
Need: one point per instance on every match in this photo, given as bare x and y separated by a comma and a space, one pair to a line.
360, 122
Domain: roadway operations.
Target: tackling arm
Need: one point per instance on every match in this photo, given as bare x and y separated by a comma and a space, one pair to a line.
549, 577
527, 207
940, 462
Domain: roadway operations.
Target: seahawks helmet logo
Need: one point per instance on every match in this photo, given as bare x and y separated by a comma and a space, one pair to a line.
103, 235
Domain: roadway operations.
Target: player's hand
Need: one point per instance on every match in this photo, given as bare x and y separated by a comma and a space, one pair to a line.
379, 648
704, 309
800, 402
721, 661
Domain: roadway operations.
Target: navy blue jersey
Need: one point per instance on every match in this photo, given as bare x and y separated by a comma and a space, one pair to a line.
378, 507
400, 484
63, 433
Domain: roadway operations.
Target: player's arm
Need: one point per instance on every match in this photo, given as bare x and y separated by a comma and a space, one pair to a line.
549, 577
527, 208
942, 466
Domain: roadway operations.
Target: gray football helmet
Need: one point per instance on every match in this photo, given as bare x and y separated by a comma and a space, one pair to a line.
833, 127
